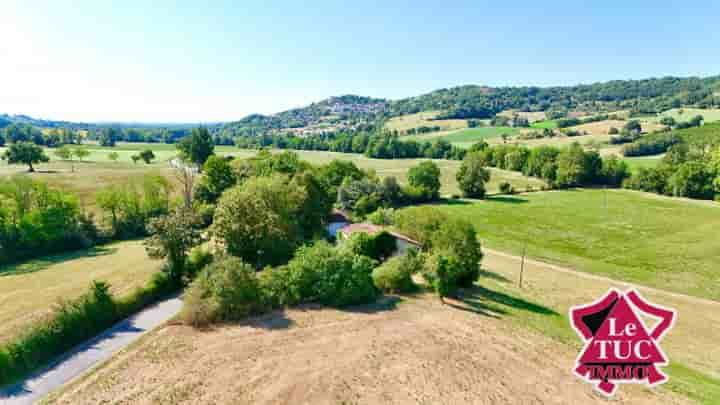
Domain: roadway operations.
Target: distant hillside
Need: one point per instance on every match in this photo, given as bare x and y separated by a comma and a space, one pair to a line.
340, 112
646, 96
642, 96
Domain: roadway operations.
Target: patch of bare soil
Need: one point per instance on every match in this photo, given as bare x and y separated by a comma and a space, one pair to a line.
416, 351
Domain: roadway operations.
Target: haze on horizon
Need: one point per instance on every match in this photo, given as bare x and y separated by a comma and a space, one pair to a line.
170, 62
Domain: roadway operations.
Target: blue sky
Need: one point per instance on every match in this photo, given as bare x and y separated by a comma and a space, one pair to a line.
193, 62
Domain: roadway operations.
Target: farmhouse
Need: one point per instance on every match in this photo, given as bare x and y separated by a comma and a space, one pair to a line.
402, 242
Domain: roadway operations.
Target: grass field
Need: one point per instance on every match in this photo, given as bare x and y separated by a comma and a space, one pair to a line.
545, 124
28, 291
465, 138
425, 118
647, 239
96, 171
603, 127
644, 161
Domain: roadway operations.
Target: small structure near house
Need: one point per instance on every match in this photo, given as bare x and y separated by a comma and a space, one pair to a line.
402, 242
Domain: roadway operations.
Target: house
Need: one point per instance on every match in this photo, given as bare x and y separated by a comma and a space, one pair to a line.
402, 242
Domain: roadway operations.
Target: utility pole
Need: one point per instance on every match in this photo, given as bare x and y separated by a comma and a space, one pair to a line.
522, 265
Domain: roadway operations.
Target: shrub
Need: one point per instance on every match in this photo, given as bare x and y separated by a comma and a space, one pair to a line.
506, 188
330, 276
378, 247
459, 238
198, 259
395, 275
226, 290
442, 271
383, 216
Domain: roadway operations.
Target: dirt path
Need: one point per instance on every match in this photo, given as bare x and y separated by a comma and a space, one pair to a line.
89, 354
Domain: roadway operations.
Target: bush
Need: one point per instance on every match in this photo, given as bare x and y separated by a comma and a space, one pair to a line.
506, 188
420, 223
395, 275
459, 238
378, 247
198, 259
442, 271
226, 290
383, 216
336, 277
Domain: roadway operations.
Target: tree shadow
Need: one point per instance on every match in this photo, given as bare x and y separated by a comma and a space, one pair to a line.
485, 301
382, 304
507, 199
494, 276
276, 320
45, 262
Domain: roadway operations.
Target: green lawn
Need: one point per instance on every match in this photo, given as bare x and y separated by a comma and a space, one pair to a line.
645, 161
465, 137
661, 242
549, 124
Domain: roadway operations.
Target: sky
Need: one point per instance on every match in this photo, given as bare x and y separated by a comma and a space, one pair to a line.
141, 61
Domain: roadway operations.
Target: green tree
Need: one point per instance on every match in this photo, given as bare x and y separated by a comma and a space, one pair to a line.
426, 177
258, 221
147, 156
692, 179
218, 176
171, 237
197, 147
25, 153
81, 153
108, 137
473, 175
459, 237
114, 156
66, 153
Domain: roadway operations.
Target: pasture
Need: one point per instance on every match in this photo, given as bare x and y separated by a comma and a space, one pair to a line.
28, 291
647, 239
465, 138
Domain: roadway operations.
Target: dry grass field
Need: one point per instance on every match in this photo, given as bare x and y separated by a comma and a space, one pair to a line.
425, 118
29, 290
533, 116
407, 352
603, 127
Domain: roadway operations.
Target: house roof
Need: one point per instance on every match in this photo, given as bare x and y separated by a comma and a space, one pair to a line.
361, 227
373, 229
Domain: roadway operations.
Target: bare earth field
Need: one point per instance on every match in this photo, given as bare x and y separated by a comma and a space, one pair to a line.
414, 352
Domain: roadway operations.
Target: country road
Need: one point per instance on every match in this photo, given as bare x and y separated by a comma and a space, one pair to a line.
89, 354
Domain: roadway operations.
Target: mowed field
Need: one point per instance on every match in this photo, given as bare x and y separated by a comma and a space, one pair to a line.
29, 291
657, 241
